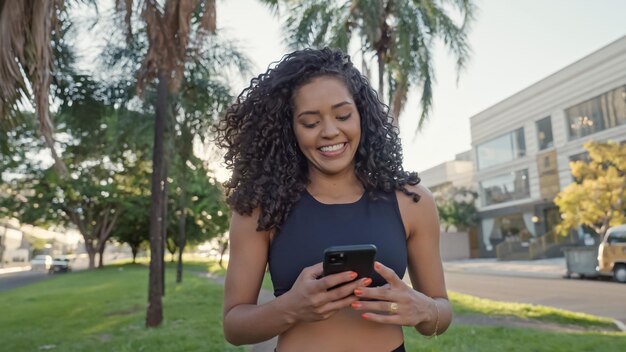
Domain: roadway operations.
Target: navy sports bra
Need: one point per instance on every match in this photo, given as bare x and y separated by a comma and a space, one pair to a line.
312, 226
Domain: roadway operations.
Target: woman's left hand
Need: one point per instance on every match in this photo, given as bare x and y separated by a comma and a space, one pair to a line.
397, 303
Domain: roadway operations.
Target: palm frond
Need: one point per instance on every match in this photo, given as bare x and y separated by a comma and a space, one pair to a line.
399, 33
26, 62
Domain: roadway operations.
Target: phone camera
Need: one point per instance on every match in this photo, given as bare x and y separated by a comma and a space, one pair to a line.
336, 258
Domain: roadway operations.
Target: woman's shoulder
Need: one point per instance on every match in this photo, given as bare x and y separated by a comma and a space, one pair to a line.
420, 216
242, 223
426, 198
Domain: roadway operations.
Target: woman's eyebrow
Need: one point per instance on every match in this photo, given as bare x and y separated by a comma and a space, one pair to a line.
317, 112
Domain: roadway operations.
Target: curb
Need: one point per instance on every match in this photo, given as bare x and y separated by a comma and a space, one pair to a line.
620, 325
512, 273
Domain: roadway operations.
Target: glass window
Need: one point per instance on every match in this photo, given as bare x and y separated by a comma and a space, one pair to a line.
584, 156
502, 149
605, 111
617, 237
544, 133
505, 188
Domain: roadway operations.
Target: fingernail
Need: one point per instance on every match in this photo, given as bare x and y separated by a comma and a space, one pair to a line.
358, 292
367, 281
377, 265
356, 305
365, 316
352, 275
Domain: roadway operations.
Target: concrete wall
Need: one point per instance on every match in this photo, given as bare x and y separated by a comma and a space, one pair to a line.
454, 245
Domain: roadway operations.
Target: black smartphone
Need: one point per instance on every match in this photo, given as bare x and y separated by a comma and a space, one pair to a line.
358, 258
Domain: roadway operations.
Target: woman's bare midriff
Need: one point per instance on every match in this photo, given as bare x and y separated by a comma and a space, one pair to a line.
345, 331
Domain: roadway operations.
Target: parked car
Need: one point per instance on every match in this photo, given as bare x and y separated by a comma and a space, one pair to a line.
612, 253
41, 262
60, 265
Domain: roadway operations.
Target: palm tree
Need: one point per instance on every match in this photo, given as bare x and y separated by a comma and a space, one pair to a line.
400, 34
26, 60
172, 27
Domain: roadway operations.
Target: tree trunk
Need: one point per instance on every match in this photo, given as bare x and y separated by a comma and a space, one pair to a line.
224, 248
165, 222
398, 100
91, 253
134, 250
154, 315
101, 254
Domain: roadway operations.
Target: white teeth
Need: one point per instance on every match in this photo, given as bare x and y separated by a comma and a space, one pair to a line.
332, 148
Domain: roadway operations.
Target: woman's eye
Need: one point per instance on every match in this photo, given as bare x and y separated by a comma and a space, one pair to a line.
309, 125
344, 117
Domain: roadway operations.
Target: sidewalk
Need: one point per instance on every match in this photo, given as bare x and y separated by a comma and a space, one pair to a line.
14, 269
546, 268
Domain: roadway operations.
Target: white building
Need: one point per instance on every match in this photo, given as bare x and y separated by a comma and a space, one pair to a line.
11, 245
522, 145
455, 173
440, 179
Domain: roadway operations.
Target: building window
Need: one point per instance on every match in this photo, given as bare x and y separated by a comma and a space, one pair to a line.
502, 149
505, 188
584, 156
544, 133
605, 111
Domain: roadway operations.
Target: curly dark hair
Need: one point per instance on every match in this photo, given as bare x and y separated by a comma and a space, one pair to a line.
268, 169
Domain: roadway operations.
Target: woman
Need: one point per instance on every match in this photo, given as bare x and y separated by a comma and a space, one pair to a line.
316, 162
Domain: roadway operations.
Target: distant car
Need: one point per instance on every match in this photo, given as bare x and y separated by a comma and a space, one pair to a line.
60, 265
41, 262
612, 253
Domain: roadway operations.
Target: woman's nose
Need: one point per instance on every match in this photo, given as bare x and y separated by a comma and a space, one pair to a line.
329, 130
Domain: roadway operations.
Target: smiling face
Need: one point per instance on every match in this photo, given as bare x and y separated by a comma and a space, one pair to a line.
327, 125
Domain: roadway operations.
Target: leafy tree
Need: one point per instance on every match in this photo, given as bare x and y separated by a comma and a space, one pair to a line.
133, 224
203, 97
598, 199
400, 34
98, 152
457, 208
204, 214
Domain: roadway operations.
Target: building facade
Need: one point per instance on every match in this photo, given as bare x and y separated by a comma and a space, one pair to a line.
455, 173
522, 145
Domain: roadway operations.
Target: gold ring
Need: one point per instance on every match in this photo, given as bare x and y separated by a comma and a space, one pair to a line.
393, 308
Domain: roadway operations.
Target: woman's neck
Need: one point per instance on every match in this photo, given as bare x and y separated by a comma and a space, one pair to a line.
340, 187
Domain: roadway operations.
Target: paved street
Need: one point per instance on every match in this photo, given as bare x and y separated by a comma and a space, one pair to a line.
16, 279
13, 280
603, 298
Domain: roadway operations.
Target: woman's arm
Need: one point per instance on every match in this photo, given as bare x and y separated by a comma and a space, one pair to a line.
245, 322
424, 261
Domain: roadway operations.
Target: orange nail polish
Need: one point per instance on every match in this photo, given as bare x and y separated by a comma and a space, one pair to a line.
365, 316
367, 281
352, 275
358, 292
356, 305
377, 265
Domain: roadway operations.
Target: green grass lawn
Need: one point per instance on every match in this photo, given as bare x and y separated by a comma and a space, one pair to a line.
104, 310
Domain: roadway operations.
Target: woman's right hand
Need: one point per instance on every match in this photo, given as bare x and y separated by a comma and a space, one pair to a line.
310, 299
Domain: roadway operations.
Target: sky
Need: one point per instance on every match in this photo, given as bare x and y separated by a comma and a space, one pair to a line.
515, 43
